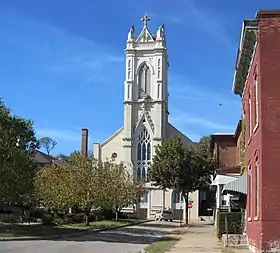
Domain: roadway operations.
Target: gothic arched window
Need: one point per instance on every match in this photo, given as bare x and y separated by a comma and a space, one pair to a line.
144, 80
143, 153
138, 173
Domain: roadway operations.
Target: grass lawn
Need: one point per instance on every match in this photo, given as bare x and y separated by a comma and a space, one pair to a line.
5, 235
104, 224
16, 230
167, 242
162, 245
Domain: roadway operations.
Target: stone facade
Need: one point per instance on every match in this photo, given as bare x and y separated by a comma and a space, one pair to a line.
256, 80
145, 119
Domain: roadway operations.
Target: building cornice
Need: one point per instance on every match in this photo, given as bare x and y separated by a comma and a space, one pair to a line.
154, 101
245, 55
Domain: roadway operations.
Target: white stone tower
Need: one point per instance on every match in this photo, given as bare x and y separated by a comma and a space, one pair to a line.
145, 96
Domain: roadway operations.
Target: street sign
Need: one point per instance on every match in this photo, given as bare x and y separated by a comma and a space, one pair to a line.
190, 205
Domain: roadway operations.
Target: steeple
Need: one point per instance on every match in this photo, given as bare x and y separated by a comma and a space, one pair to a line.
145, 20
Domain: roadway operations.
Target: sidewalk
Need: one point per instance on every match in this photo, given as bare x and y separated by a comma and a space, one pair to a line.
200, 237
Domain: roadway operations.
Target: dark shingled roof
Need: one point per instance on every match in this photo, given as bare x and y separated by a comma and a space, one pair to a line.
43, 158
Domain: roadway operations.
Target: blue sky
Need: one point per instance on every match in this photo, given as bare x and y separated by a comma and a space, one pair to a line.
62, 63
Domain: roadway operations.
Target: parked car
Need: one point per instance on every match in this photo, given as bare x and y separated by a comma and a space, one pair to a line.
166, 215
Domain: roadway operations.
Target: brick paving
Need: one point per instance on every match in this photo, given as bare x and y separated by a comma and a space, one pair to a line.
200, 237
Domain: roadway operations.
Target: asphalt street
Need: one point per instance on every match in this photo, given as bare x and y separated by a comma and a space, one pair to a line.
124, 240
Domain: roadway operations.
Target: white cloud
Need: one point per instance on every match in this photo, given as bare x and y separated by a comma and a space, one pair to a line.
188, 14
185, 119
182, 87
69, 133
198, 110
55, 51
59, 134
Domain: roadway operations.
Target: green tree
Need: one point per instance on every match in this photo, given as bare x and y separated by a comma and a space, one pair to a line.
119, 189
48, 144
74, 183
184, 169
53, 188
17, 163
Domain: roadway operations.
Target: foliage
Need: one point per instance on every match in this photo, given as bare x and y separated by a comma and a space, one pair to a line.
203, 145
48, 219
234, 223
176, 167
119, 189
183, 169
71, 184
80, 183
243, 146
17, 163
53, 186
48, 144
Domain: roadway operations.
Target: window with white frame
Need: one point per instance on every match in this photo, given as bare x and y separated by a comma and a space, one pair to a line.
256, 100
250, 192
144, 80
257, 187
143, 153
250, 115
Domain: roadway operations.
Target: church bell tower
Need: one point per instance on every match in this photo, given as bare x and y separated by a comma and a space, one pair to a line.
145, 96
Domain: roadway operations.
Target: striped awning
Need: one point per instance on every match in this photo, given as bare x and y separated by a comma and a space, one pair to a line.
238, 185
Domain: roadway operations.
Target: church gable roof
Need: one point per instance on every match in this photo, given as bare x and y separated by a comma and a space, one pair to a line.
173, 131
112, 136
145, 36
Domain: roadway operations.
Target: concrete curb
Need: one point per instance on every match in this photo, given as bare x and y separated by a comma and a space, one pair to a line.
79, 233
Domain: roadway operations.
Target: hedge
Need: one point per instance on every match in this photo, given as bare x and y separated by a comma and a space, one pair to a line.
234, 223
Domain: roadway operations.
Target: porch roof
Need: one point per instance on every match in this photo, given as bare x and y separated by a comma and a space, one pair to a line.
238, 185
224, 179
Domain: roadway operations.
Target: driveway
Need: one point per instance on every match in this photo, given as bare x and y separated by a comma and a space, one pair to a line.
123, 240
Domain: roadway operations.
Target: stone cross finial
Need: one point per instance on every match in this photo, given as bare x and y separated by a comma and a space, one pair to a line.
145, 20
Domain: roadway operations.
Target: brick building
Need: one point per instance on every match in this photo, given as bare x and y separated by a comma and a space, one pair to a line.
227, 152
256, 80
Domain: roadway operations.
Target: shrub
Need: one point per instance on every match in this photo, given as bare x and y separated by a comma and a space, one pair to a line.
59, 221
37, 213
48, 219
77, 218
68, 218
234, 223
106, 213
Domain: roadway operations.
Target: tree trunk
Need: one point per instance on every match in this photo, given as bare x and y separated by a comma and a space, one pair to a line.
117, 215
22, 213
86, 219
186, 197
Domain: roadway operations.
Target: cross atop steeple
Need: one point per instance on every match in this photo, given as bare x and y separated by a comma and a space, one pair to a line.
145, 20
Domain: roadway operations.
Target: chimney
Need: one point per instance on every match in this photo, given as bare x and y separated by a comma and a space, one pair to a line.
84, 149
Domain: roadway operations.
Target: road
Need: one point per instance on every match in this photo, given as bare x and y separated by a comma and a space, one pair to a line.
124, 240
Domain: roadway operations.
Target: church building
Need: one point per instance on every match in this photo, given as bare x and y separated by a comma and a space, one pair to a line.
146, 122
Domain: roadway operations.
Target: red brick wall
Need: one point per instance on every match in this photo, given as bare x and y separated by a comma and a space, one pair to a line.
227, 153
264, 231
269, 37
252, 147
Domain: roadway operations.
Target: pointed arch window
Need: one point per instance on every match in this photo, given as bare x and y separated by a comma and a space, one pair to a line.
143, 172
144, 80
138, 173
143, 153
139, 151
149, 151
